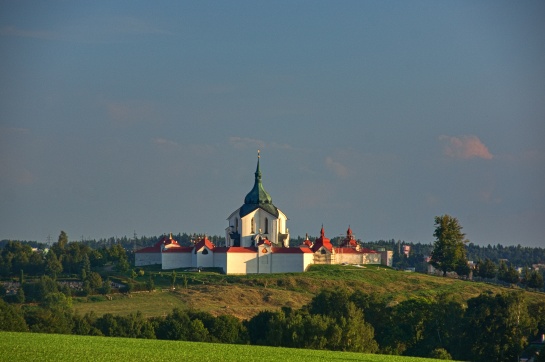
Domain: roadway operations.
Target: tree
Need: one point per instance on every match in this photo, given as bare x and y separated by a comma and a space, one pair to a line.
449, 247
86, 267
11, 318
508, 274
486, 269
150, 284
497, 326
95, 281
172, 279
106, 287
63, 239
20, 296
53, 266
535, 280
59, 246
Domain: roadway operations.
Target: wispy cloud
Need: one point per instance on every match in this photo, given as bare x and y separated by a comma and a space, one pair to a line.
336, 167
465, 147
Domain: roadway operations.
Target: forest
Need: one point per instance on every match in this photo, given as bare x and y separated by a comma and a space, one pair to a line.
489, 327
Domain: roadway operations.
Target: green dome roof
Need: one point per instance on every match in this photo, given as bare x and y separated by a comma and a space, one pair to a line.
258, 197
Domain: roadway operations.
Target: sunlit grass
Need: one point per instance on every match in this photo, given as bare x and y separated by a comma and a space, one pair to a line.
16, 347
246, 295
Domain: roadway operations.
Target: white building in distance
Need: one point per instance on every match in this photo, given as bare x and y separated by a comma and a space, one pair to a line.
257, 242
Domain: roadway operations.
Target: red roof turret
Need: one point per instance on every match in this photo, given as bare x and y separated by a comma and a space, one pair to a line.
322, 241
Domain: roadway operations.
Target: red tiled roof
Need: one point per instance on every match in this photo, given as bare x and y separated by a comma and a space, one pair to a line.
181, 249
235, 249
346, 251
299, 250
204, 242
167, 241
322, 241
150, 249
349, 240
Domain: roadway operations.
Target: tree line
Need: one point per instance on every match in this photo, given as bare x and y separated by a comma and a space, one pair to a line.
487, 327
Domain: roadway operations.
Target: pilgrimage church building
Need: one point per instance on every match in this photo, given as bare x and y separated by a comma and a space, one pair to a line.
257, 242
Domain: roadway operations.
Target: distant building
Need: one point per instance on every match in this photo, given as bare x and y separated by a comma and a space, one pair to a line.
257, 242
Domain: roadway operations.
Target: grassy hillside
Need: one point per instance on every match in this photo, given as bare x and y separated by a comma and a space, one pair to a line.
244, 296
60, 348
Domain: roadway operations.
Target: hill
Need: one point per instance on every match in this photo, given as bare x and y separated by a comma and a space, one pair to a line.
246, 295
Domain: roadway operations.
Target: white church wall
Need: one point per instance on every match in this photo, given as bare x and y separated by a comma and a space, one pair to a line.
141, 259
288, 263
241, 263
308, 260
176, 260
264, 263
204, 259
220, 261
246, 230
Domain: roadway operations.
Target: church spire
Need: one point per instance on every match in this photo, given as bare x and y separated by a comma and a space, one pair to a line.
258, 197
258, 170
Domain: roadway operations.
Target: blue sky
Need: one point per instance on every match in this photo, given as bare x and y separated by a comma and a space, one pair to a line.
120, 117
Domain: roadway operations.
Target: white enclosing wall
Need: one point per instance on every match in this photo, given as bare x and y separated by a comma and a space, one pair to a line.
241, 263
203, 258
175, 260
288, 263
141, 259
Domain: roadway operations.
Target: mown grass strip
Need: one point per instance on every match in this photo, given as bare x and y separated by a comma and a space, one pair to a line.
16, 347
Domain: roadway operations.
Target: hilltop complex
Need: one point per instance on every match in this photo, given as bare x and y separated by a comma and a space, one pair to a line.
257, 242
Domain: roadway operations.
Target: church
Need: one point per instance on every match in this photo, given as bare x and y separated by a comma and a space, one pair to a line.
257, 242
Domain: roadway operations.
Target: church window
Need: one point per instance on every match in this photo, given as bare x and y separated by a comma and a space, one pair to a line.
266, 225
205, 251
253, 226
323, 251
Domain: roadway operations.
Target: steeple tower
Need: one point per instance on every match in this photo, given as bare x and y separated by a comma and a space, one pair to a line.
258, 197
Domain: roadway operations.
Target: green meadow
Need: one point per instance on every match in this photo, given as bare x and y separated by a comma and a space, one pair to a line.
246, 295
26, 347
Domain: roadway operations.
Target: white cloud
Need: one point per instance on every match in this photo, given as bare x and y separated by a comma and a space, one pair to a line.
465, 147
336, 167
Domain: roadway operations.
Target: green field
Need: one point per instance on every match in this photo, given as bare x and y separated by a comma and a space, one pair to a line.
246, 295
54, 347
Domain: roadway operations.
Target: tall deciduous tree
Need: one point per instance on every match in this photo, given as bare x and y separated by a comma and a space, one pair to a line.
497, 326
449, 247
